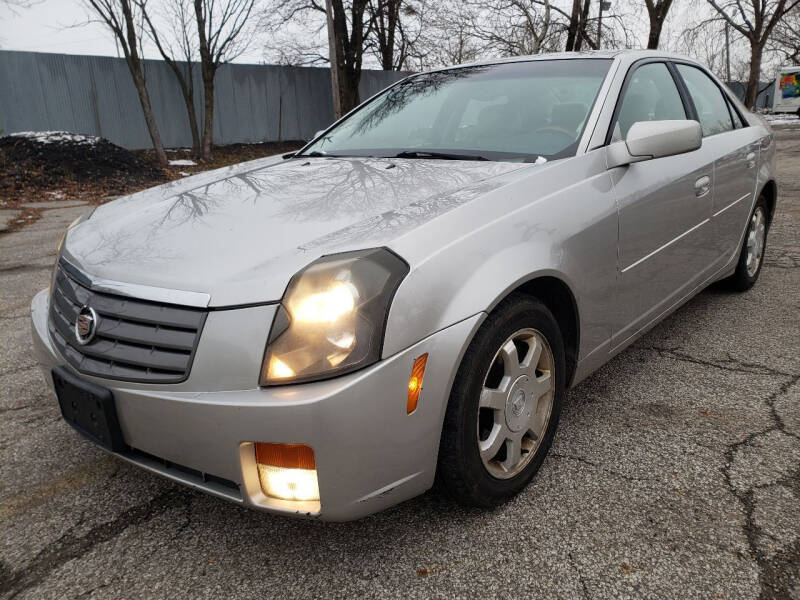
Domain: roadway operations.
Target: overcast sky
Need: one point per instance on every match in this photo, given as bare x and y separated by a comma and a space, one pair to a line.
55, 26
61, 26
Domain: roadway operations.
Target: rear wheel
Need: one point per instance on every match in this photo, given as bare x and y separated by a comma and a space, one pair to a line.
504, 407
751, 256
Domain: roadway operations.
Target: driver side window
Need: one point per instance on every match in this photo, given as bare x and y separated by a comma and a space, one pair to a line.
651, 95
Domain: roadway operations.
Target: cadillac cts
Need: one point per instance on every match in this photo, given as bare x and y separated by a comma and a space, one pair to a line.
409, 296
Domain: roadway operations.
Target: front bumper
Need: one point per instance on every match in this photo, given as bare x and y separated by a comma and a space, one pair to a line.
370, 454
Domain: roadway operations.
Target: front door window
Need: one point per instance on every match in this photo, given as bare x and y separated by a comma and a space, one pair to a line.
651, 95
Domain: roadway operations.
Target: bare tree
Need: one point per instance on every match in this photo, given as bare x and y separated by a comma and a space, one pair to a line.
462, 31
785, 40
347, 30
295, 32
429, 33
514, 27
703, 41
336, 59
584, 31
446, 37
177, 43
124, 20
657, 12
576, 30
222, 36
384, 17
583, 35
392, 33
15, 5
755, 21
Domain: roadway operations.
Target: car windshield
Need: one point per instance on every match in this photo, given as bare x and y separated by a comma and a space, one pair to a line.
516, 111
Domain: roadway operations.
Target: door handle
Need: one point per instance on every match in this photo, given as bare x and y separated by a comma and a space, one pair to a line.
702, 186
751, 160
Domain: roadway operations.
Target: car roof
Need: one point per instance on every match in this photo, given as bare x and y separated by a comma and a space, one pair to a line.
626, 56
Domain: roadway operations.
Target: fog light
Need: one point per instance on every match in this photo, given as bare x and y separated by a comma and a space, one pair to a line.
287, 471
289, 484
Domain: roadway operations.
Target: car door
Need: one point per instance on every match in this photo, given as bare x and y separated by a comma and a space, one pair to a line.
665, 205
736, 149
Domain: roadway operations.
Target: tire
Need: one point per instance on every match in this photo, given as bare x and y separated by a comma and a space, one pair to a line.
746, 273
468, 474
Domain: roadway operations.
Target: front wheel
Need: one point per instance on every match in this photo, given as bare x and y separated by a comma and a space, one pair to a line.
504, 406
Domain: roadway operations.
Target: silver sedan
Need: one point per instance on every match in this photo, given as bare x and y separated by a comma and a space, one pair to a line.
410, 296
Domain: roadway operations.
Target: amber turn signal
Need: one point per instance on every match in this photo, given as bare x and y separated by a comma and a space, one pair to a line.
288, 456
415, 383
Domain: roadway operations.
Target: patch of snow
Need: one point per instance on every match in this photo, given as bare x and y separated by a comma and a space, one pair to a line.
184, 174
782, 119
183, 162
51, 137
540, 160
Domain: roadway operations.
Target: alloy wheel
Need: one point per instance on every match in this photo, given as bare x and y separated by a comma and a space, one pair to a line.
516, 403
756, 237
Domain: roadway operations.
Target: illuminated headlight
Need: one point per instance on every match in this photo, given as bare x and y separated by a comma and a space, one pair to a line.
332, 317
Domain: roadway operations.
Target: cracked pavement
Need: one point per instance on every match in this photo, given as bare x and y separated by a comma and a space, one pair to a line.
675, 474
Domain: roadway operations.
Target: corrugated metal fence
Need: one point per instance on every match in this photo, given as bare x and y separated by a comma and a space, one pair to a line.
254, 103
765, 96
95, 95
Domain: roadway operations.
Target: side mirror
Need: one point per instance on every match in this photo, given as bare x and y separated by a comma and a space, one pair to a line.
654, 139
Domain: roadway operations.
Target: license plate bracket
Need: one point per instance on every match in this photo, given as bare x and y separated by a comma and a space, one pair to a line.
90, 409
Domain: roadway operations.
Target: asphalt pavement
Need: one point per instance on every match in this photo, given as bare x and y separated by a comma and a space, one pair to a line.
675, 474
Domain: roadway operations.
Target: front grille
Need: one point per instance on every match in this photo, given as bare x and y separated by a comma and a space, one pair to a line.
135, 340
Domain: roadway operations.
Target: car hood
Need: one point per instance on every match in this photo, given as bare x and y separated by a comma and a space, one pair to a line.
240, 233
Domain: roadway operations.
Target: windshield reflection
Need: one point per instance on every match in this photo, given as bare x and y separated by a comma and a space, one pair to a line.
517, 111
401, 95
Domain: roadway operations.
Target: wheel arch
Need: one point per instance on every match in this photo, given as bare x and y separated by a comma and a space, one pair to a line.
770, 192
557, 296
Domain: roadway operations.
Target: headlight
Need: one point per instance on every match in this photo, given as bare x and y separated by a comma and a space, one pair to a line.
332, 317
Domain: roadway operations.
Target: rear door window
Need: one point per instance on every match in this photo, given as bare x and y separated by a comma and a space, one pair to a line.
711, 105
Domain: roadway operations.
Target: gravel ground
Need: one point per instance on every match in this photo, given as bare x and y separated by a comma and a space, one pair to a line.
675, 474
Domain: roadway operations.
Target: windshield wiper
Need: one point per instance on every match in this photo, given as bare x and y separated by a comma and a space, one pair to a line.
433, 154
318, 154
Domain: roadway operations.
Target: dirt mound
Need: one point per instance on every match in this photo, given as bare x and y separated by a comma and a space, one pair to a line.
54, 159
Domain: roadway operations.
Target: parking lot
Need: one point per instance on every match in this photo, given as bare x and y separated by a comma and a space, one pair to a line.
675, 474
